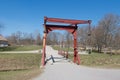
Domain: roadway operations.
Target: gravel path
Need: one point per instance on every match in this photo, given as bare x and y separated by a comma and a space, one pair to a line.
63, 69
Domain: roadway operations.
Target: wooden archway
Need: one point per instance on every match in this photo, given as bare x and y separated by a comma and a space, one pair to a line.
71, 27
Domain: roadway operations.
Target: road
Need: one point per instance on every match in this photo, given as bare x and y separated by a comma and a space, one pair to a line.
64, 69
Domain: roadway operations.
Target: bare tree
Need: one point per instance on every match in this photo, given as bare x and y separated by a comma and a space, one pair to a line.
68, 39
116, 40
12, 39
106, 30
82, 35
27, 39
97, 34
32, 40
38, 39
53, 38
50, 38
18, 35
49, 41
21, 38
109, 24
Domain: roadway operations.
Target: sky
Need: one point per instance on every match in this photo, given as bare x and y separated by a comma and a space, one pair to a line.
27, 15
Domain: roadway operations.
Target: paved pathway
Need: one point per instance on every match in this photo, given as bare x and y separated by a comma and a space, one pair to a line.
62, 69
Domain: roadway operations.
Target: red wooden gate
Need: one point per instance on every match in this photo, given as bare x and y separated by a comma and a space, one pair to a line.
71, 27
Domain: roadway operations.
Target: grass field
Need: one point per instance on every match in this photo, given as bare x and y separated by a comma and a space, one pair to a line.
20, 48
99, 60
19, 66
20, 74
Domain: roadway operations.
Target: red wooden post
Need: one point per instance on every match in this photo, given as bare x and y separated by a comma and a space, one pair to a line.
76, 56
44, 49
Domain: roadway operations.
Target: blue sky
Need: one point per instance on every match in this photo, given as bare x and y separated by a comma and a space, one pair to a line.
27, 15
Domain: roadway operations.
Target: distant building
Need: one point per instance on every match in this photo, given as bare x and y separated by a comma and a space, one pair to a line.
3, 41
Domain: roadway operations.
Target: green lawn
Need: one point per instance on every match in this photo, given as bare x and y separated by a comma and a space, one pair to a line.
99, 60
19, 66
20, 48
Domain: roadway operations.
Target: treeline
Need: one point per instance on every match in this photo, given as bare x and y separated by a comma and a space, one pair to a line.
22, 38
57, 38
107, 33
